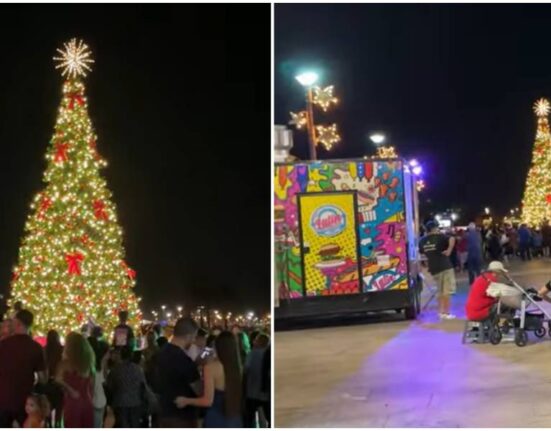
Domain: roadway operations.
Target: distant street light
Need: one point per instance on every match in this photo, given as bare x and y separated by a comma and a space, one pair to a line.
487, 210
454, 216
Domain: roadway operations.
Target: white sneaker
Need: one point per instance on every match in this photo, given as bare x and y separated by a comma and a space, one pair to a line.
449, 316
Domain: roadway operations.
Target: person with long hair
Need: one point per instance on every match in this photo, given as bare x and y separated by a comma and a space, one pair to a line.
222, 392
53, 352
76, 374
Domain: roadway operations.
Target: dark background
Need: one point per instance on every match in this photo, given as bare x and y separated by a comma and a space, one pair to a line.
180, 100
452, 85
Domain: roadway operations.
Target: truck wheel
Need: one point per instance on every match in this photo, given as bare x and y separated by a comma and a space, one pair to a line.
410, 312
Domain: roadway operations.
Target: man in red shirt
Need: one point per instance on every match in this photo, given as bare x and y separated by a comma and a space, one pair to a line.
487, 289
479, 303
20, 358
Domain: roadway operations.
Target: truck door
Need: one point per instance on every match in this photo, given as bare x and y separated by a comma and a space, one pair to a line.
329, 243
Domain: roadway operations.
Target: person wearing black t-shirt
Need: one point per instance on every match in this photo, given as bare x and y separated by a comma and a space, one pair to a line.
438, 248
178, 376
123, 334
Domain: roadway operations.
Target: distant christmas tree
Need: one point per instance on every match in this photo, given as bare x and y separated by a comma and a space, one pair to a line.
536, 204
71, 266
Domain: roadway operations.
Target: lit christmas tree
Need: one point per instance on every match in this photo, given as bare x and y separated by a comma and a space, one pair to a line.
536, 204
71, 266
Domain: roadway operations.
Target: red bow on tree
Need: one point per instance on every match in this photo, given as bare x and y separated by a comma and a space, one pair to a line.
45, 204
99, 210
548, 198
61, 152
73, 262
129, 271
14, 276
75, 97
94, 149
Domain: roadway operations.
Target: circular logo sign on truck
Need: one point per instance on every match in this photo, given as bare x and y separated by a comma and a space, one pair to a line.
328, 220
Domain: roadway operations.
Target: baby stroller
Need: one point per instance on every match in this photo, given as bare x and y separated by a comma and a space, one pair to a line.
529, 318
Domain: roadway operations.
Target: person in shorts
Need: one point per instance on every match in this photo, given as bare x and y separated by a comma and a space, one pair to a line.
438, 249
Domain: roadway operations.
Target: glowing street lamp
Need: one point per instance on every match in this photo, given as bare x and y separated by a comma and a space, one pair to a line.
322, 97
487, 210
307, 79
377, 138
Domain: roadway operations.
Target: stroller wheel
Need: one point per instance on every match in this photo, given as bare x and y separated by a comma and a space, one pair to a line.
540, 332
521, 338
495, 335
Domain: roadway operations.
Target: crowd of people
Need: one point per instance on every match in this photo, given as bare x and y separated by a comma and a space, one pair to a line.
189, 378
458, 250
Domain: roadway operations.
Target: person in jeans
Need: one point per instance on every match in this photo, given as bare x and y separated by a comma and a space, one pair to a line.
20, 358
524, 242
438, 248
126, 384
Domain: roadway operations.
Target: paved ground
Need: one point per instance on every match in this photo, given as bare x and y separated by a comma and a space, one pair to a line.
413, 374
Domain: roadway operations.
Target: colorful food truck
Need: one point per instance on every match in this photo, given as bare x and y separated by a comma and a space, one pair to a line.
346, 234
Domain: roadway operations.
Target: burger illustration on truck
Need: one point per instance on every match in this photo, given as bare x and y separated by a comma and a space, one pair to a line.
329, 255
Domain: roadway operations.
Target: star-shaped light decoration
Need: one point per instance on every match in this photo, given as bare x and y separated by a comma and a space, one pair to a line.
75, 59
386, 152
327, 135
541, 107
299, 120
323, 97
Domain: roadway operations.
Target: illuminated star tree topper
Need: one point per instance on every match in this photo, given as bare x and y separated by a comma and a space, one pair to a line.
75, 59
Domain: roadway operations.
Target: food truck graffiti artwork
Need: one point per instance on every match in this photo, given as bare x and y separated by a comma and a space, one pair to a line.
344, 226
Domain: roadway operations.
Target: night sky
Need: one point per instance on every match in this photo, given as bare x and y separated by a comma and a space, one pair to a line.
180, 101
452, 85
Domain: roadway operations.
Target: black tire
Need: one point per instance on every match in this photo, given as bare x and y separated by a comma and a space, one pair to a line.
540, 332
495, 335
410, 312
521, 337
505, 328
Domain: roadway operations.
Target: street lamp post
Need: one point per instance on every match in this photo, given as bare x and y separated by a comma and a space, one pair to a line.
307, 80
310, 124
322, 97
